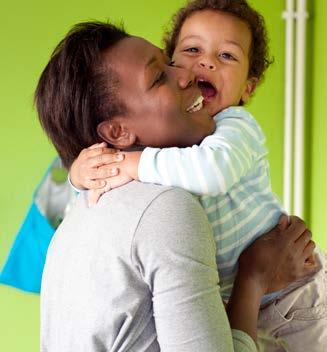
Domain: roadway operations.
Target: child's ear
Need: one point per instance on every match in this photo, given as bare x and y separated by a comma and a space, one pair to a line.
116, 134
251, 85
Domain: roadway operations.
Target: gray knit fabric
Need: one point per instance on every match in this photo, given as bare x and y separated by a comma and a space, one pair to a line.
135, 273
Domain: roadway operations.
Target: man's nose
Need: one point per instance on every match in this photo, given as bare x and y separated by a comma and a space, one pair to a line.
207, 63
185, 78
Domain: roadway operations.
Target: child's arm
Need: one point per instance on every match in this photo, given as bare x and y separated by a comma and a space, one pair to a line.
213, 167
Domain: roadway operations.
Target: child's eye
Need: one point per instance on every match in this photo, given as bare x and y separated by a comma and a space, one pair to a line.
192, 50
171, 63
227, 56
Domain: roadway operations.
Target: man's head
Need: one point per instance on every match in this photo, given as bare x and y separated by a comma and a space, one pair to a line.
102, 84
73, 95
224, 43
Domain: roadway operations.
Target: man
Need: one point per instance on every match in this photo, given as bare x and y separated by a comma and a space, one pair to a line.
137, 272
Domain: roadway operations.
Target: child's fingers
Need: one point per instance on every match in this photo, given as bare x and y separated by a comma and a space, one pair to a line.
94, 152
97, 145
117, 181
97, 177
102, 172
104, 158
94, 196
94, 184
110, 183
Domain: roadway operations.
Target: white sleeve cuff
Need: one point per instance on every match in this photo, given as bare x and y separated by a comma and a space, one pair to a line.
78, 190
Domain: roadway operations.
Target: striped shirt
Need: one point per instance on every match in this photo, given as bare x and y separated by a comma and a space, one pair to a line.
229, 172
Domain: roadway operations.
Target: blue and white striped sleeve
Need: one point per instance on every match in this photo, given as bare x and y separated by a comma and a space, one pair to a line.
216, 164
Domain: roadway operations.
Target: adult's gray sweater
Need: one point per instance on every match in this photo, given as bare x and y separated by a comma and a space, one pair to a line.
135, 273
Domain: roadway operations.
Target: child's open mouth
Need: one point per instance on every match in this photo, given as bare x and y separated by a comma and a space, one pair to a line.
207, 89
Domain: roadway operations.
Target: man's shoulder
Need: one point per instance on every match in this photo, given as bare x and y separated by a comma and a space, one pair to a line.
139, 192
124, 207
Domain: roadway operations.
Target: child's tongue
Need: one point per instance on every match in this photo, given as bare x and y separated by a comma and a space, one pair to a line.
207, 90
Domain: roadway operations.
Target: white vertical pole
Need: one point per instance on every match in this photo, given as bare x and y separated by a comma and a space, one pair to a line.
289, 16
300, 108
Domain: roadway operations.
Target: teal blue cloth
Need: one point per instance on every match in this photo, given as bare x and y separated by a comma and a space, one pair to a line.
24, 266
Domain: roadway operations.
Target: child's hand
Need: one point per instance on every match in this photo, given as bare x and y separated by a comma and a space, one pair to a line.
94, 165
127, 172
110, 183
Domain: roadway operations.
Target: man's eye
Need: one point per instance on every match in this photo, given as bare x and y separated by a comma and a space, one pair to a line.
227, 56
160, 79
192, 50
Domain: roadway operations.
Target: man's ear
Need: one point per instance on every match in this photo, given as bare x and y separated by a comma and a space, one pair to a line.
116, 134
251, 85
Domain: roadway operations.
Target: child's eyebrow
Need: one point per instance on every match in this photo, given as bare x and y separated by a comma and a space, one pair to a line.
232, 42
191, 36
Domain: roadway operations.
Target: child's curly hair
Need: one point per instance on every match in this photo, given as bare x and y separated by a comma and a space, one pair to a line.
259, 54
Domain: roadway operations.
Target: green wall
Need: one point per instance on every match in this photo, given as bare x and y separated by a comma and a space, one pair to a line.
317, 117
28, 32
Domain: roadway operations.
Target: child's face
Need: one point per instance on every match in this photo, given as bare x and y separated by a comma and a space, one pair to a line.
215, 47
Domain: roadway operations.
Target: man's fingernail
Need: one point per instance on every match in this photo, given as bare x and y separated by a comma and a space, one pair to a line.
113, 171
119, 157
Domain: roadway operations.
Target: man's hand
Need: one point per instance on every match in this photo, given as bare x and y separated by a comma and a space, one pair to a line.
281, 256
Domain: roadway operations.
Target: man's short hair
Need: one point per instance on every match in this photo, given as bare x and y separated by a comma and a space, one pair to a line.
76, 91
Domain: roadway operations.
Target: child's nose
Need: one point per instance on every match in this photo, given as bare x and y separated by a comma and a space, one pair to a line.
207, 64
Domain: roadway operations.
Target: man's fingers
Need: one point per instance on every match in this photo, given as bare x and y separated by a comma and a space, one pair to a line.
308, 254
295, 229
283, 222
302, 241
309, 268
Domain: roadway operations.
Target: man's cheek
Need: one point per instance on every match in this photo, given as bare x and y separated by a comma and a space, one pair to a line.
182, 61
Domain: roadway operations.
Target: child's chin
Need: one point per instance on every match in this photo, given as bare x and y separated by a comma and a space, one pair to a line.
213, 108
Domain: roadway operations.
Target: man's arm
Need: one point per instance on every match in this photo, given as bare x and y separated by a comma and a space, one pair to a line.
174, 251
